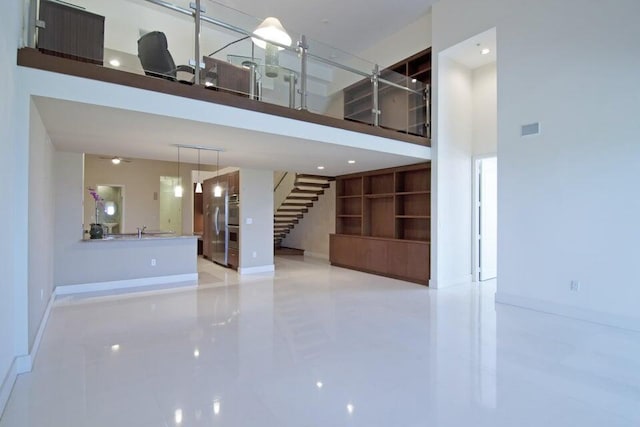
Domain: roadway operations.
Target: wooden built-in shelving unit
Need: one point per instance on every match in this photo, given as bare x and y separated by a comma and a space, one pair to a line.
392, 206
400, 110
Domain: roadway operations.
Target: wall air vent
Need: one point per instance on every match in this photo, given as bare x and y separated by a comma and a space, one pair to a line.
530, 129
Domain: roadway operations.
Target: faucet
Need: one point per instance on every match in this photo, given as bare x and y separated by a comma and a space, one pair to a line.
141, 231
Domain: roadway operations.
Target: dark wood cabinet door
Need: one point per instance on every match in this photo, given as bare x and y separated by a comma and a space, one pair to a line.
71, 32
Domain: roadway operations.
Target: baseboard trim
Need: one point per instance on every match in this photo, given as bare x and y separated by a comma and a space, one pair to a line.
41, 328
259, 269
123, 284
316, 255
442, 284
7, 384
593, 316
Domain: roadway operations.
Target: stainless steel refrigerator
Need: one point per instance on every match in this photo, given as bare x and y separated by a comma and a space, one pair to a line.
219, 217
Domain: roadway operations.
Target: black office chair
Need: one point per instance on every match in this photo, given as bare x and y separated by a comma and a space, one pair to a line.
156, 59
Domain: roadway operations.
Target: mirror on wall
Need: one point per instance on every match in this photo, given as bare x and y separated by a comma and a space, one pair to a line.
112, 210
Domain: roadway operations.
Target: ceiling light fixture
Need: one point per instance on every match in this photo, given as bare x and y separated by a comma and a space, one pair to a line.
321, 167
198, 183
351, 162
177, 190
116, 160
271, 30
485, 51
217, 190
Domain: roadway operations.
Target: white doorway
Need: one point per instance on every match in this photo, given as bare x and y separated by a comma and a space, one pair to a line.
486, 218
170, 205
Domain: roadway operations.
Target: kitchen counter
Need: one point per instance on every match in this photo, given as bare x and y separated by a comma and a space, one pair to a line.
134, 237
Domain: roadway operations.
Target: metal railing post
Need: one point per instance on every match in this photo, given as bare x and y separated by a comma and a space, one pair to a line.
303, 48
197, 14
375, 81
292, 80
427, 119
32, 24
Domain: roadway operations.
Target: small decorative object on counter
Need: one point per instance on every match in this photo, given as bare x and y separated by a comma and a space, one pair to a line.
96, 231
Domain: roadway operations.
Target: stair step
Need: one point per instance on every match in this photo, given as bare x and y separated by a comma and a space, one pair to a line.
292, 210
310, 185
292, 216
310, 198
318, 177
297, 204
285, 221
298, 191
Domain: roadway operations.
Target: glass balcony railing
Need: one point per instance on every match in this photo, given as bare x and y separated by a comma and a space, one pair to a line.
222, 49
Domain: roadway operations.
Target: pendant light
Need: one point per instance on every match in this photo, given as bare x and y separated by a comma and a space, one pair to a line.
198, 183
217, 190
177, 190
271, 30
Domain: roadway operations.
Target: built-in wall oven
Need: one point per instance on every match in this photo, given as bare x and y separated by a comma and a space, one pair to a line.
234, 237
234, 210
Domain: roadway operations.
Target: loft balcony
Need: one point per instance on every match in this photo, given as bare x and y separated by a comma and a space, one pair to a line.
130, 42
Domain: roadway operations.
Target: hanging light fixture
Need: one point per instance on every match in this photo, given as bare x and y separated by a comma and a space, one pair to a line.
217, 190
177, 190
198, 183
271, 30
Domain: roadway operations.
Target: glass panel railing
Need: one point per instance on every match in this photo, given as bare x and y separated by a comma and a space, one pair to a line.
401, 103
158, 38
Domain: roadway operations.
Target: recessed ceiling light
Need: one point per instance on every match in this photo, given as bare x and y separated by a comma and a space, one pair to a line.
116, 160
321, 167
114, 63
485, 51
351, 162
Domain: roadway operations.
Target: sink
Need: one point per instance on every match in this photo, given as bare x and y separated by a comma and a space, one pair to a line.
110, 226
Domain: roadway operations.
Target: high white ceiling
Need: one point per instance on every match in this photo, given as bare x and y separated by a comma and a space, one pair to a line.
130, 134
352, 25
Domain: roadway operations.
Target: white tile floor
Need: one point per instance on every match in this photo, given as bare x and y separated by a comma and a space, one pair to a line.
322, 346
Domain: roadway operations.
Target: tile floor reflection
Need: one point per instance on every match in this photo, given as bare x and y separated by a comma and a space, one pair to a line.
314, 345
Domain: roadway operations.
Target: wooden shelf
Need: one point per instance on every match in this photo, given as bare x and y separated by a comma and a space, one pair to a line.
397, 106
412, 193
377, 196
385, 228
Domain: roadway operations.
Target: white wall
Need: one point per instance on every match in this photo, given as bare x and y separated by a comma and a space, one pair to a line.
141, 181
41, 221
312, 232
485, 110
411, 39
408, 41
10, 19
81, 262
567, 198
256, 202
451, 249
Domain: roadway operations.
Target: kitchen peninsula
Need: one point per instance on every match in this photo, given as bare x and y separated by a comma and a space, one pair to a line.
130, 262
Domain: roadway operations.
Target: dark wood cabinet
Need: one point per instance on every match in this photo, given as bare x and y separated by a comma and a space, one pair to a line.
233, 181
383, 222
71, 32
228, 77
400, 110
404, 260
233, 259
